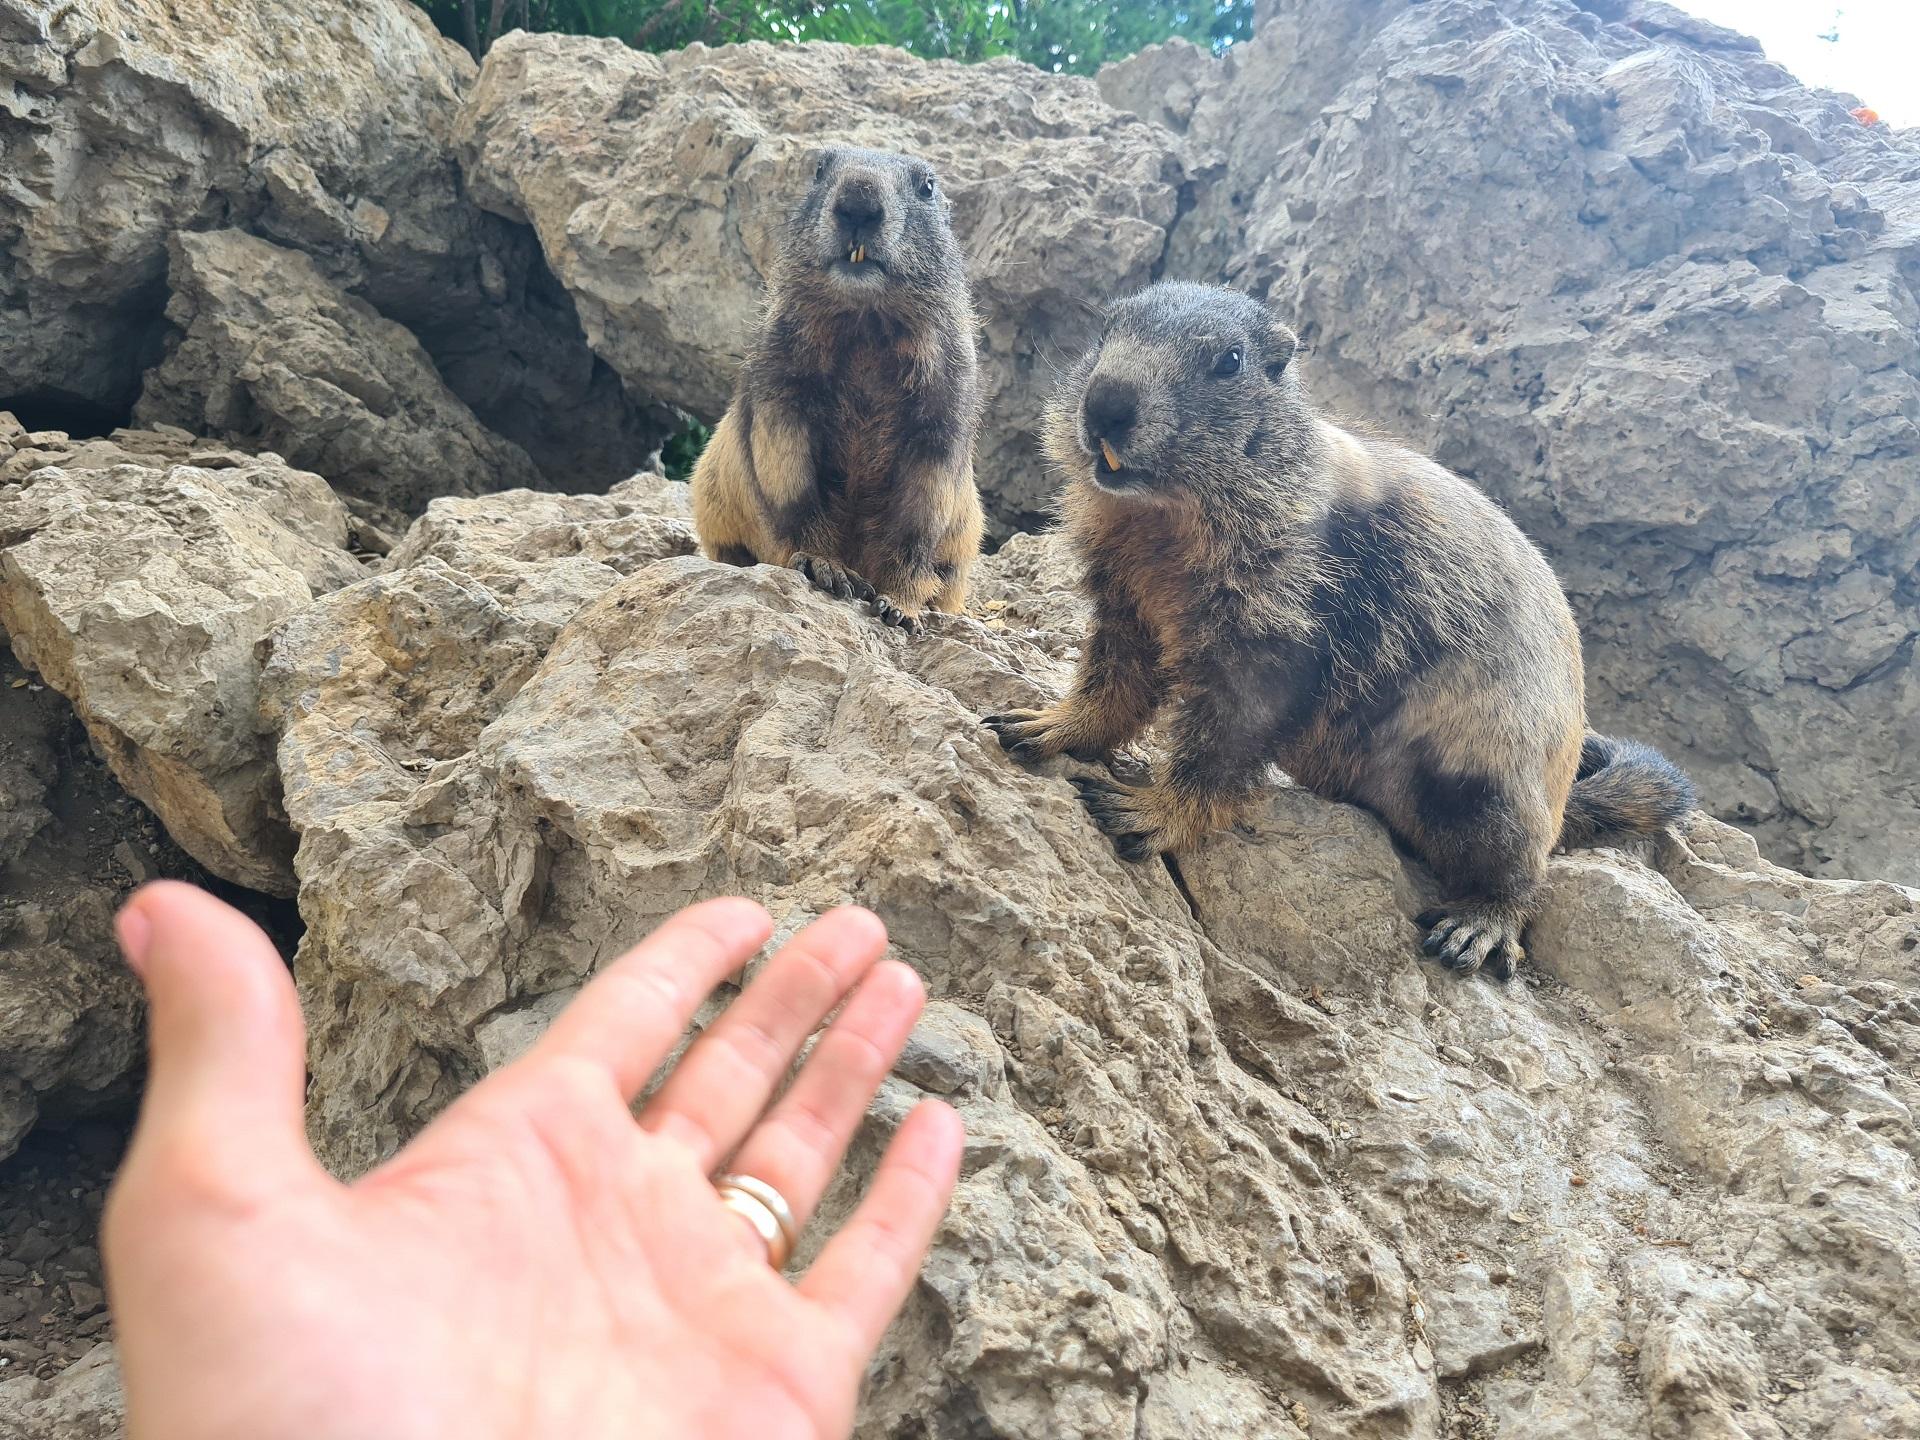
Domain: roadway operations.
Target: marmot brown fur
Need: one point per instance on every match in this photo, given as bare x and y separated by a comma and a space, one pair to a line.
847, 451
1335, 604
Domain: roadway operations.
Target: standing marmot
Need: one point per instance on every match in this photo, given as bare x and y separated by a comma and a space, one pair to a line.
847, 452
1340, 606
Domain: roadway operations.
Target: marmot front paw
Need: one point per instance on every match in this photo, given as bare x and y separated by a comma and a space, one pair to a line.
1024, 734
1042, 734
832, 577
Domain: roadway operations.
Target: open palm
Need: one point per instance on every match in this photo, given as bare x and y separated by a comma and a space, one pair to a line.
537, 1263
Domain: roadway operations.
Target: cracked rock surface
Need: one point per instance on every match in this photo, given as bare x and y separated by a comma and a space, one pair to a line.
1238, 1161
71, 845
268, 355
137, 575
320, 125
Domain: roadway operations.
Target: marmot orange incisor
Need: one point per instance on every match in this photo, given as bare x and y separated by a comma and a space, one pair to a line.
847, 452
1338, 605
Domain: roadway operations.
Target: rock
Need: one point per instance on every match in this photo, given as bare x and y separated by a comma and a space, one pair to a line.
137, 575
1220, 1127
349, 160
428, 651
1655, 297
1162, 83
321, 127
81, 1403
268, 355
1032, 588
658, 183
69, 1011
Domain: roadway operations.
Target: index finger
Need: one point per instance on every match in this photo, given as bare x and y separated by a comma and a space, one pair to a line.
631, 1014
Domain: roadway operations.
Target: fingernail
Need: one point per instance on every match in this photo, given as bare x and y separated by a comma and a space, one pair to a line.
136, 934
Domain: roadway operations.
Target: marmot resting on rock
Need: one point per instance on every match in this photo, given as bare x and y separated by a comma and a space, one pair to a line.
1340, 606
848, 449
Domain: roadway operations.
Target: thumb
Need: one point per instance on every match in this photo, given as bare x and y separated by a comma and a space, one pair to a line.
226, 1071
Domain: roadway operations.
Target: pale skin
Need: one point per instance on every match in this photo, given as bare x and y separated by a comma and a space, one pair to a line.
538, 1262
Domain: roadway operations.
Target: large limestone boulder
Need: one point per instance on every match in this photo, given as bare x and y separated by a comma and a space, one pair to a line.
658, 183
266, 353
1661, 301
324, 124
1239, 1163
137, 576
429, 651
320, 126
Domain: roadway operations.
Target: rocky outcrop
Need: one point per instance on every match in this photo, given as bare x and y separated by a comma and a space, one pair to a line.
658, 184
321, 127
268, 355
1657, 298
137, 575
1239, 1162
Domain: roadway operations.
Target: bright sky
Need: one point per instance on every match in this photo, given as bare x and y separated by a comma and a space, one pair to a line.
1876, 54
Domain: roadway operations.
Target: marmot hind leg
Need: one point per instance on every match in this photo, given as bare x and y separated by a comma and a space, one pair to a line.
1470, 935
728, 532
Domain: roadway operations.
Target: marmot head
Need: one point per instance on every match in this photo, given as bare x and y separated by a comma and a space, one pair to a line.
873, 229
1187, 383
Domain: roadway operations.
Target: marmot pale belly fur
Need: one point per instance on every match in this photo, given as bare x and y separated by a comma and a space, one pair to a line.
847, 452
1340, 606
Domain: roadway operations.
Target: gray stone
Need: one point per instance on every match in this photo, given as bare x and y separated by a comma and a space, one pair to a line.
267, 354
138, 585
82, 1402
322, 127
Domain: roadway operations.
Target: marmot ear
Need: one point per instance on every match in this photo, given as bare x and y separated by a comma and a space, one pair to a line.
1277, 347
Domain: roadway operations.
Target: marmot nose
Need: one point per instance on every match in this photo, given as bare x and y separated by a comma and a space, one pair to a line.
857, 203
1111, 408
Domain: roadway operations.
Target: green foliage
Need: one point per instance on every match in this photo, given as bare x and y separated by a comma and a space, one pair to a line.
683, 448
1069, 35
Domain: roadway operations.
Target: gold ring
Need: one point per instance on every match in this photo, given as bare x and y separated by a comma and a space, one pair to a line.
764, 1208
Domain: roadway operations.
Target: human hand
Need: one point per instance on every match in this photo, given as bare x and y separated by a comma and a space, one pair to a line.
535, 1263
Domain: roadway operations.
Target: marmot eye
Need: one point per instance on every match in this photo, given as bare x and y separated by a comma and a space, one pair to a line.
926, 187
820, 169
1228, 364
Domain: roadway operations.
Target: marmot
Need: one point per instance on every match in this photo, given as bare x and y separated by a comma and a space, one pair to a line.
1338, 605
847, 451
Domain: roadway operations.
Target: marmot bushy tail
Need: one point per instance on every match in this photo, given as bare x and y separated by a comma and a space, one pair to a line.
1332, 603
847, 452
1623, 789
